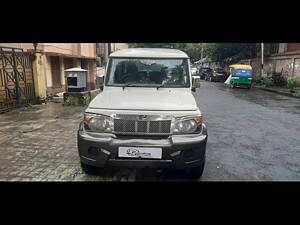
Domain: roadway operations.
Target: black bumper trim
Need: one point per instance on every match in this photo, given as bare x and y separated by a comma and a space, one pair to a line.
173, 144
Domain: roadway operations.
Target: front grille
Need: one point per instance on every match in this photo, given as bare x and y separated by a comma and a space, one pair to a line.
149, 127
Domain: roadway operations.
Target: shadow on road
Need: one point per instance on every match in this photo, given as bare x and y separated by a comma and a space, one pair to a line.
143, 175
162, 175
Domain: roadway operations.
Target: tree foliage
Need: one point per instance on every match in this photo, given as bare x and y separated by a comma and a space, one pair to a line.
229, 52
216, 52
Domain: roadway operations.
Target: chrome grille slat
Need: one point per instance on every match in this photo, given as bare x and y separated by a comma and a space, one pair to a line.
125, 124
148, 126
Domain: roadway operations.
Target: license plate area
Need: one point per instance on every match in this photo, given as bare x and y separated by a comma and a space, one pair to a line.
140, 152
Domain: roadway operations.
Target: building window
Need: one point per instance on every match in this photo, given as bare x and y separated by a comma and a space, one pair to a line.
55, 71
274, 47
83, 64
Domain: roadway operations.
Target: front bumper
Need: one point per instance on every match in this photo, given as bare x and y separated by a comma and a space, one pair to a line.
178, 151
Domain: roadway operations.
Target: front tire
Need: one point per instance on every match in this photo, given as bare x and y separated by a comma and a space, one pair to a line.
88, 169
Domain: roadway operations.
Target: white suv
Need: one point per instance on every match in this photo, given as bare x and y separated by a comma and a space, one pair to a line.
146, 115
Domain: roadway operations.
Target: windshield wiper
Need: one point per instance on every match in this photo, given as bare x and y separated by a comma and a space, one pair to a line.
159, 86
128, 85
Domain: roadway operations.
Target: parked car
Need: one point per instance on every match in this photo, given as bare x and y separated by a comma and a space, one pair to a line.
218, 74
194, 71
204, 72
139, 121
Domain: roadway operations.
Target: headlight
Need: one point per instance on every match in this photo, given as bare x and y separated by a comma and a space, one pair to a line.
187, 125
98, 123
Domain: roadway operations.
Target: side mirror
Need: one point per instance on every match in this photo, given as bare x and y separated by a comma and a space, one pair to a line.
100, 81
196, 82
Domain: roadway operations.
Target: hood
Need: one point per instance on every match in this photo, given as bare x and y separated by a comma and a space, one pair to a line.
133, 98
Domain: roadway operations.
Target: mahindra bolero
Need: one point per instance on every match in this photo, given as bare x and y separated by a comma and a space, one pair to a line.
146, 115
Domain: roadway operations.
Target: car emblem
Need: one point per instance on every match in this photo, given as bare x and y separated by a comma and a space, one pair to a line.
142, 117
132, 152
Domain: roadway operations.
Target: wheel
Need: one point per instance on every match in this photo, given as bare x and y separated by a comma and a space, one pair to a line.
196, 172
88, 169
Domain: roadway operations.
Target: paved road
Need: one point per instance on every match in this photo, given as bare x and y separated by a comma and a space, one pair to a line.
253, 135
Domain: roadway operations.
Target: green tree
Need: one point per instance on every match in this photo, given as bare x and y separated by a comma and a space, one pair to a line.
220, 52
229, 52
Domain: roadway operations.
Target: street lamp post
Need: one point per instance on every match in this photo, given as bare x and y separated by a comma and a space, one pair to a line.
262, 59
201, 54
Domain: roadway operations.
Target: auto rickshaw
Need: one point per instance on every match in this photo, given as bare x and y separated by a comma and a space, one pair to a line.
240, 75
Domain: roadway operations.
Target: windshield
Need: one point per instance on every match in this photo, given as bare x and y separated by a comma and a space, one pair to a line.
242, 72
148, 72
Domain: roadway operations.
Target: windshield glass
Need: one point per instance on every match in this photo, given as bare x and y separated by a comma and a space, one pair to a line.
242, 72
148, 72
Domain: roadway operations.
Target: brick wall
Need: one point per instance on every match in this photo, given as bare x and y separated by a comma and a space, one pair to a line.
293, 47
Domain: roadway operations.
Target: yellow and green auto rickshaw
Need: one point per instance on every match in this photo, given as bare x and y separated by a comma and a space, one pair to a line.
240, 75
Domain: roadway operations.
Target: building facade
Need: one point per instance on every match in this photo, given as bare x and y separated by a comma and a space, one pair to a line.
278, 57
103, 50
52, 59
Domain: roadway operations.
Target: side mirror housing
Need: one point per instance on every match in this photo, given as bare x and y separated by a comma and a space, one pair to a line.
196, 82
100, 81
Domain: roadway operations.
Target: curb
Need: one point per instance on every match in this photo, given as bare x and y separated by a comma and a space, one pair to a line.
294, 95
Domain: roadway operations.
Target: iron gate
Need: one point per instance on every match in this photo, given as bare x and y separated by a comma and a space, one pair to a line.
16, 78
